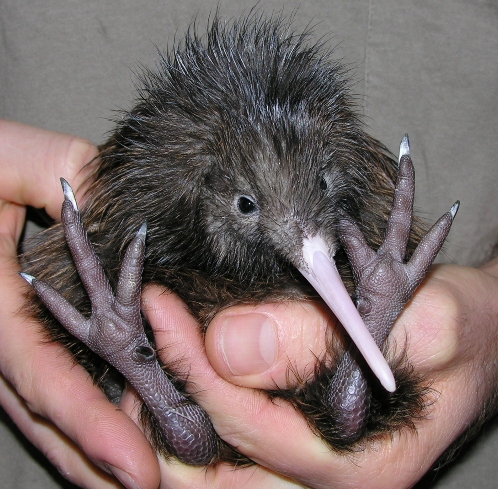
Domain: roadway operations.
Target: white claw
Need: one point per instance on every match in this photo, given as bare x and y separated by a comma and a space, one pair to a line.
68, 193
26, 276
454, 209
142, 231
404, 147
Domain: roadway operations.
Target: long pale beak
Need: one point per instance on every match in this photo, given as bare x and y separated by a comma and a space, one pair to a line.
322, 274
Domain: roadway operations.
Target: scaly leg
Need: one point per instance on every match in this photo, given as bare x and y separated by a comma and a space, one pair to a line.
115, 332
384, 284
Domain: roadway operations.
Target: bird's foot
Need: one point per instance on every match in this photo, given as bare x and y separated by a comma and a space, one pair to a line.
384, 284
115, 332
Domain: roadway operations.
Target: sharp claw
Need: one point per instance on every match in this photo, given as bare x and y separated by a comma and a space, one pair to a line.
404, 147
454, 209
29, 278
142, 231
68, 193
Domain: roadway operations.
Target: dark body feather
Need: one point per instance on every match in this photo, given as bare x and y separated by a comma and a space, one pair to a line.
250, 110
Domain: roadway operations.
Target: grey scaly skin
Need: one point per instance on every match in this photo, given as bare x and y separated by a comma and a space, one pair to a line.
115, 332
384, 284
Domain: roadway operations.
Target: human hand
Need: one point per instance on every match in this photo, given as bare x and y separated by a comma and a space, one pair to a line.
448, 329
54, 402
82, 431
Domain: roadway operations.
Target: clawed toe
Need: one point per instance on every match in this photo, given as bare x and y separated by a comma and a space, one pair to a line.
384, 284
115, 332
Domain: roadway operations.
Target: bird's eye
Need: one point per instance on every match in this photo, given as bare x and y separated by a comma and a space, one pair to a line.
246, 205
323, 184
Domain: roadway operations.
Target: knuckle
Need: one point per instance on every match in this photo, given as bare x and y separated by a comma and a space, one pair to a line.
76, 161
25, 388
434, 322
79, 152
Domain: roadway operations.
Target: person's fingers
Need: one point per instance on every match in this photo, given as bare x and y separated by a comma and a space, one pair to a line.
262, 346
11, 226
268, 345
491, 267
177, 475
243, 417
71, 462
47, 383
436, 325
33, 160
247, 419
50, 385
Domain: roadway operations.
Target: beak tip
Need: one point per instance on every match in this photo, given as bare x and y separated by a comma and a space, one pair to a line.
388, 381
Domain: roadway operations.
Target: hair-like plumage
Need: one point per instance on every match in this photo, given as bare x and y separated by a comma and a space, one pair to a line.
253, 110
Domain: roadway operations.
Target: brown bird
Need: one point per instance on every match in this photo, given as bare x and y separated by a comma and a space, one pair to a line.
246, 160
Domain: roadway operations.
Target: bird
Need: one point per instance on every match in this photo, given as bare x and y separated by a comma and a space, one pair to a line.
242, 174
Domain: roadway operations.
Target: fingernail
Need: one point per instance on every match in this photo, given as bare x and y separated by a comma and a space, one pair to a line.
124, 478
248, 343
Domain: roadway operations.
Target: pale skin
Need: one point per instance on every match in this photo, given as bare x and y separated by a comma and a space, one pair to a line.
449, 323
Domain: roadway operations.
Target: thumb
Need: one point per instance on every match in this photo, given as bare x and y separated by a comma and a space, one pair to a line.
269, 345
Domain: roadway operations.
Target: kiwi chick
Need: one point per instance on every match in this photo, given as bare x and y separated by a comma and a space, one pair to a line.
244, 155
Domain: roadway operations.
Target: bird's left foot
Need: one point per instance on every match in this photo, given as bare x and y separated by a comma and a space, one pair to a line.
115, 332
384, 284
